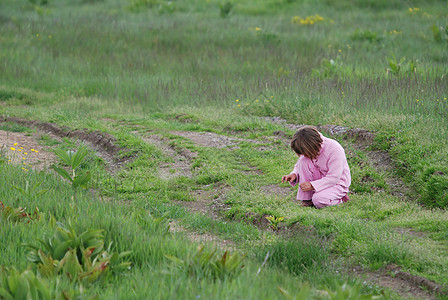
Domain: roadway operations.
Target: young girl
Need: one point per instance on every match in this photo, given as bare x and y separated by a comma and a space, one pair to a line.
321, 171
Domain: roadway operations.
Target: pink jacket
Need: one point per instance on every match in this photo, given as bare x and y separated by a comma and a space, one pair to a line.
332, 164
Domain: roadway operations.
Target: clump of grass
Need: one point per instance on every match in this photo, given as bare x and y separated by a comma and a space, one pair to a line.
298, 255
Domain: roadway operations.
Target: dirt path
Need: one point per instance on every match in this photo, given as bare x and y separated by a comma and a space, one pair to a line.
104, 144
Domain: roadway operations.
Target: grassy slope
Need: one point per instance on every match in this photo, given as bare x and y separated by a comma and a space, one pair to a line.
107, 61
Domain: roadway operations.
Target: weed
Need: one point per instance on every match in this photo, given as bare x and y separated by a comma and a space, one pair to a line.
24, 285
274, 221
73, 160
12, 214
366, 35
298, 255
206, 264
225, 9
79, 256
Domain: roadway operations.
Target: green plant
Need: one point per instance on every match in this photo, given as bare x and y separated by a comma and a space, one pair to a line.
73, 160
366, 35
78, 256
327, 68
394, 65
225, 9
30, 190
205, 264
274, 221
436, 33
12, 214
25, 285
349, 292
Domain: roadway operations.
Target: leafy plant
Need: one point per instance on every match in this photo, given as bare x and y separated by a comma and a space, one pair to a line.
30, 190
366, 35
349, 291
73, 160
12, 214
394, 65
204, 264
225, 9
25, 285
78, 256
274, 221
328, 68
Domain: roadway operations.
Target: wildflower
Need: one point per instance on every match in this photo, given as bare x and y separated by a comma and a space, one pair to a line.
36, 151
237, 100
32, 150
272, 97
13, 149
256, 100
339, 50
23, 158
418, 100
257, 29
25, 153
15, 144
239, 105
19, 150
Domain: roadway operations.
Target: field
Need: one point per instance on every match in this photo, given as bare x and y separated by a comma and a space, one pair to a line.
142, 144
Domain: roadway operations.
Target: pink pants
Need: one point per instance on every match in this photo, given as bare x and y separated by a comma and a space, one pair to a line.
327, 197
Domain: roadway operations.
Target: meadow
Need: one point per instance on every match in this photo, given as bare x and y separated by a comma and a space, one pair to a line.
143, 144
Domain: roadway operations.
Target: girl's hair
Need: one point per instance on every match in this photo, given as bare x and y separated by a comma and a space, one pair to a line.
307, 141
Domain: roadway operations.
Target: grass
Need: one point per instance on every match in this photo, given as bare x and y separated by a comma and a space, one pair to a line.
138, 68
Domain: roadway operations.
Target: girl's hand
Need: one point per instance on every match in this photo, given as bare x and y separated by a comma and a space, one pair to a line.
290, 177
306, 186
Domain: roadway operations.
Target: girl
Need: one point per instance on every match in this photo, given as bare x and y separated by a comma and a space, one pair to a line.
321, 171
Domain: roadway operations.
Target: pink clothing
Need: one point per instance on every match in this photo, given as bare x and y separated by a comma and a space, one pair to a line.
329, 174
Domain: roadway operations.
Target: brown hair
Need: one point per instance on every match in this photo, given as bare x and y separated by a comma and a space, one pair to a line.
307, 141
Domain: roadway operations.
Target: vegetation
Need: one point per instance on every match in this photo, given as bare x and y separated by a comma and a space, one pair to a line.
152, 73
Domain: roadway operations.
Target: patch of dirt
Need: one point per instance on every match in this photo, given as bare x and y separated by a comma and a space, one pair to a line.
28, 152
405, 284
103, 143
213, 140
181, 165
207, 201
203, 238
274, 189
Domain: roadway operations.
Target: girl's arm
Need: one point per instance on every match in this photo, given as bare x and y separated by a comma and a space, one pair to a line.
296, 172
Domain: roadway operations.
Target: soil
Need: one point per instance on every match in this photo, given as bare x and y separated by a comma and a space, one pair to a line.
404, 283
213, 140
103, 143
181, 165
203, 238
36, 157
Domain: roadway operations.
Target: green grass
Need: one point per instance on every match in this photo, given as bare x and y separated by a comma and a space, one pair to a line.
135, 68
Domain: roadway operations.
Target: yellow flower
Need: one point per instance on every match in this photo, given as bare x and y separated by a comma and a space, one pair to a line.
257, 29
23, 158
15, 144
36, 151
418, 100
19, 150
239, 105
339, 50
32, 150
256, 100
237, 100
13, 149
25, 153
